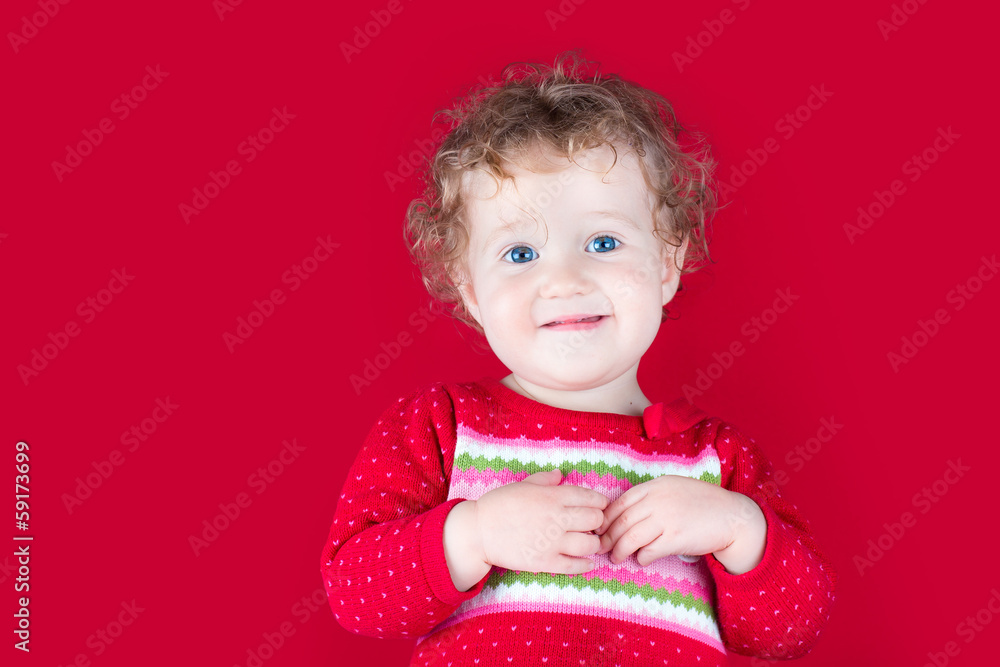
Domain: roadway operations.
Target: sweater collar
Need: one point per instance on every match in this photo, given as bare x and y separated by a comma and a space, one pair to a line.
657, 420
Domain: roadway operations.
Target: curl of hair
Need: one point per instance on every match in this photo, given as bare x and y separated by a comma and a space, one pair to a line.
565, 108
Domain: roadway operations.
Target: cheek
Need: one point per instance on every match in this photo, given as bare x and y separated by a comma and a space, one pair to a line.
503, 308
633, 285
506, 294
637, 293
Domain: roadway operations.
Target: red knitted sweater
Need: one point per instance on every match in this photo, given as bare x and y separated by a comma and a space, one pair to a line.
386, 575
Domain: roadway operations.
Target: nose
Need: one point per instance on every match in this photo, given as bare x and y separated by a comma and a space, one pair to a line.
564, 275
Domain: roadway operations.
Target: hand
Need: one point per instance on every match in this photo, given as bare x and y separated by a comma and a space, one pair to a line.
535, 525
672, 515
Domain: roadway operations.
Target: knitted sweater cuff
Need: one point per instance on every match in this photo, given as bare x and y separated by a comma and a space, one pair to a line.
764, 574
433, 561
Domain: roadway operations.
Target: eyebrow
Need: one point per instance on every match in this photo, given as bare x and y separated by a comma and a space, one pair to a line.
617, 215
521, 222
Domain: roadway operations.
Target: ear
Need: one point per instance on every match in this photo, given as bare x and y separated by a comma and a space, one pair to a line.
464, 286
674, 258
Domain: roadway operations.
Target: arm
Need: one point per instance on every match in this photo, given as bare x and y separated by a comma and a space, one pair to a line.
746, 550
779, 606
462, 550
384, 562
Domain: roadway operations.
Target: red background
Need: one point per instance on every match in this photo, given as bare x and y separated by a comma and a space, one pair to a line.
325, 174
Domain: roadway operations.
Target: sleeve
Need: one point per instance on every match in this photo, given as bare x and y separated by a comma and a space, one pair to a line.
778, 609
383, 564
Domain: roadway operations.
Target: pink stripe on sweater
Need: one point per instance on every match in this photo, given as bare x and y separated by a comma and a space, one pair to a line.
584, 446
471, 484
644, 576
560, 610
496, 478
696, 572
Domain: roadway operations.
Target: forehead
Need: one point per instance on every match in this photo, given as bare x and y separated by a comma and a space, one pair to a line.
595, 180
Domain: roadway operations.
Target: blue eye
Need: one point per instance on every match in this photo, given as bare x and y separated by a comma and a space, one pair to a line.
606, 243
520, 254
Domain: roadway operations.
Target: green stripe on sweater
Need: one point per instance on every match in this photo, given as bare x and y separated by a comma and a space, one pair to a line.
596, 584
465, 461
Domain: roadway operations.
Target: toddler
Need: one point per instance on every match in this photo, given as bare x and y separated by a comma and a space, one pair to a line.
558, 516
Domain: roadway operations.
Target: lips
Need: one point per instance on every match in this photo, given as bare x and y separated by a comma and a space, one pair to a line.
581, 318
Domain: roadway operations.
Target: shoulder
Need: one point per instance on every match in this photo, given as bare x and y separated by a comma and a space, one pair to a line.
424, 401
458, 395
453, 392
438, 399
420, 417
721, 433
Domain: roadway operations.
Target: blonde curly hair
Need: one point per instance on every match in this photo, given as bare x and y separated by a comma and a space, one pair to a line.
565, 108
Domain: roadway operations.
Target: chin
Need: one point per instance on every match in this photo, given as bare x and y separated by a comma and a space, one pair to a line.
567, 381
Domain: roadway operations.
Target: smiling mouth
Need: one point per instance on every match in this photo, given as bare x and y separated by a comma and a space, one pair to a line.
584, 320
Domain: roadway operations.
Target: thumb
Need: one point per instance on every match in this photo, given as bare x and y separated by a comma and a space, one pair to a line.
545, 477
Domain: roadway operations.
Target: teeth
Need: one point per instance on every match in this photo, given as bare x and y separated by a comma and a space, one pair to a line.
585, 319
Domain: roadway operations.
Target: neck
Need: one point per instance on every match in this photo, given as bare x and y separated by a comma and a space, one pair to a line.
621, 396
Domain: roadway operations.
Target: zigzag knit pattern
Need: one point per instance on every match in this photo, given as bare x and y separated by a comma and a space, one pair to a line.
386, 574
668, 594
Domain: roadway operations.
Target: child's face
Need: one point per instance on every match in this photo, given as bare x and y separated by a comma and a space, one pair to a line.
599, 257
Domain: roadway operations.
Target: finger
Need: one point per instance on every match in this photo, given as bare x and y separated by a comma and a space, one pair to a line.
579, 496
606, 544
653, 551
570, 565
636, 538
544, 477
579, 544
620, 504
580, 519
624, 523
